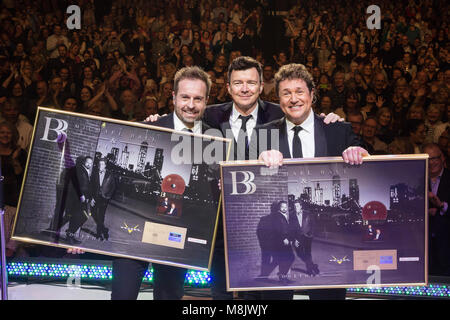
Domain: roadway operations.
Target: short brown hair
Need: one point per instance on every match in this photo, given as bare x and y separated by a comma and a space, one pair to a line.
294, 71
193, 72
245, 63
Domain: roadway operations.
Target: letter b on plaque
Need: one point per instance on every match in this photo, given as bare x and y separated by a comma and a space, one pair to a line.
56, 133
247, 181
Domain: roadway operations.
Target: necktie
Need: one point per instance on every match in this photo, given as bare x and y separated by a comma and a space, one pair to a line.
296, 143
243, 133
188, 130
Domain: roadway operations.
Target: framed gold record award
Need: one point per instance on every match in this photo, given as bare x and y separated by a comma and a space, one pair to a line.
320, 223
122, 189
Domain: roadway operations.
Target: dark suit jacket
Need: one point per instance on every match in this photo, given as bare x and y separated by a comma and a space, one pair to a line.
218, 117
174, 213
84, 182
298, 232
444, 188
330, 139
264, 232
439, 224
280, 229
106, 190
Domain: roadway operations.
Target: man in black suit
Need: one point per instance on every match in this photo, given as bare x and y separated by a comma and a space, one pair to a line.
301, 226
265, 238
103, 186
172, 211
191, 91
282, 250
237, 119
81, 209
302, 134
439, 215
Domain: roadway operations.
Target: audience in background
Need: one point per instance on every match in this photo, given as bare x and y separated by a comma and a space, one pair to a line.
391, 83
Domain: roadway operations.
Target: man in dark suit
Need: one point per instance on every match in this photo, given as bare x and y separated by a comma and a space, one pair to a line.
103, 186
191, 91
301, 226
237, 120
302, 134
172, 211
282, 250
81, 209
439, 214
265, 238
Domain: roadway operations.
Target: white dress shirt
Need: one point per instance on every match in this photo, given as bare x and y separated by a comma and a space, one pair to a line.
306, 135
236, 122
180, 126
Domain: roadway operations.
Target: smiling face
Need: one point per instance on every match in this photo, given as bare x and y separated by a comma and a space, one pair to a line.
436, 160
88, 163
295, 99
384, 119
283, 207
5, 135
244, 87
190, 100
85, 94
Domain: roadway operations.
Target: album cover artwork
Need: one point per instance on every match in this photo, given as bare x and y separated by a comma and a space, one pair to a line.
320, 223
121, 189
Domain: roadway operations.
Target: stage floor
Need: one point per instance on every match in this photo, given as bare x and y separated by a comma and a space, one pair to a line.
60, 291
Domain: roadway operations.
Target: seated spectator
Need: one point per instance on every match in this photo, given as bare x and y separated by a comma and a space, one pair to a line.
55, 91
55, 40
385, 122
410, 144
13, 159
356, 120
351, 104
62, 60
150, 107
438, 209
432, 121
370, 141
442, 128
11, 113
415, 112
41, 99
338, 93
70, 104
268, 93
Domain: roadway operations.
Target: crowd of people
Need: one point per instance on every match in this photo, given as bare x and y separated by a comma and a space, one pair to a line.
392, 84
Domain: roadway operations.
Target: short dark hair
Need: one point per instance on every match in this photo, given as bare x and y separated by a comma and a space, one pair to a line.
193, 72
281, 202
413, 124
245, 63
294, 71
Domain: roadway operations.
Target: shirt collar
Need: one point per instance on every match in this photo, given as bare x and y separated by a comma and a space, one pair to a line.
307, 125
235, 113
179, 125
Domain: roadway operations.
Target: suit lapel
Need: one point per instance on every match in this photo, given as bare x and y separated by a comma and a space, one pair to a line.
262, 119
320, 142
225, 120
284, 144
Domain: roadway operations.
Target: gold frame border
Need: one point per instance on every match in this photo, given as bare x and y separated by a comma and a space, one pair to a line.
243, 163
127, 123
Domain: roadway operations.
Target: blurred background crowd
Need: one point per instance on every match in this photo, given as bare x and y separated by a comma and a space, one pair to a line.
391, 83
